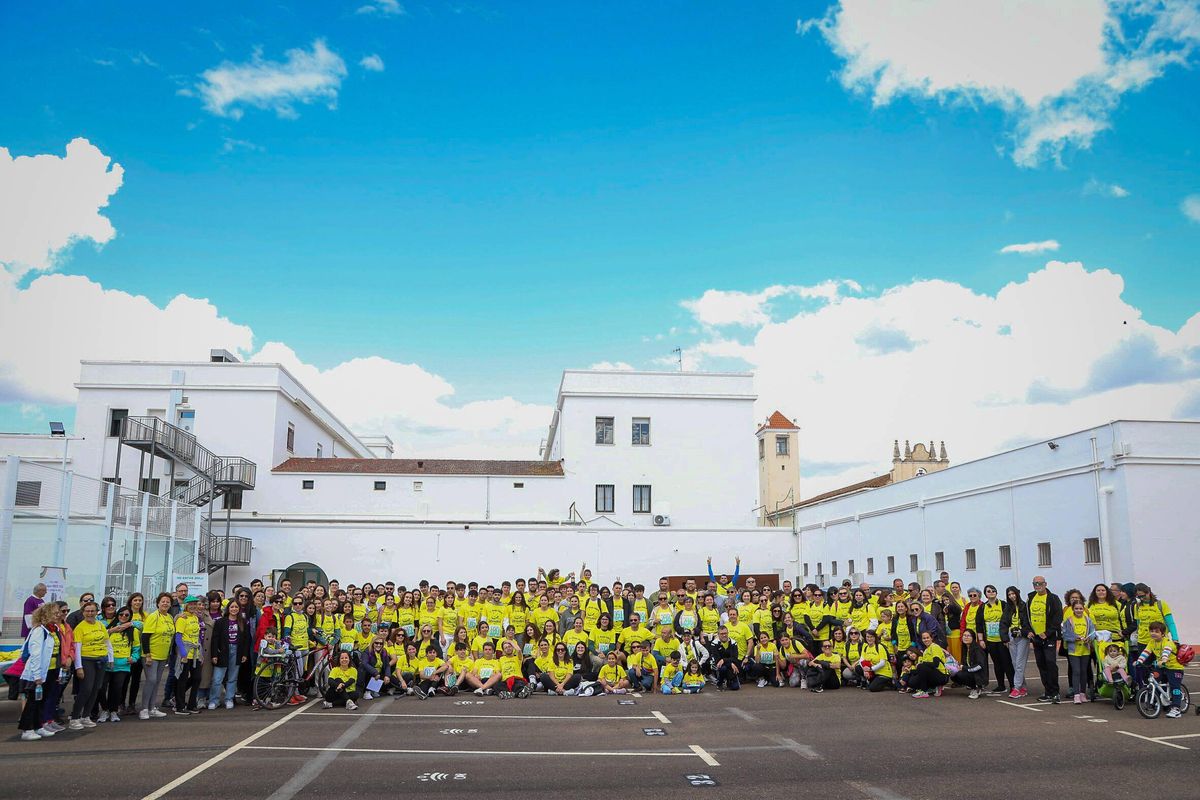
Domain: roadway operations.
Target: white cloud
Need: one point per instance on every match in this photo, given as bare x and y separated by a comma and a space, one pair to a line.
1058, 68
387, 8
47, 203
611, 365
1191, 207
1047, 246
303, 77
371, 63
1098, 187
1056, 351
716, 307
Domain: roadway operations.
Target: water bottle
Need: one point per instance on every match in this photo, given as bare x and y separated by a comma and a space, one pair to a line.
37, 693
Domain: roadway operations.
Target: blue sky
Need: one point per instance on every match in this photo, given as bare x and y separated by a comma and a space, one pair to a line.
524, 188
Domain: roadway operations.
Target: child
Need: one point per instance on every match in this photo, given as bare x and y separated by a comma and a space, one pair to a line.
271, 653
612, 678
511, 675
343, 681
671, 678
430, 672
642, 667
693, 678
1161, 651
1114, 665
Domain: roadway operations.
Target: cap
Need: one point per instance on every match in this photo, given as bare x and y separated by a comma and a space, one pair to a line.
191, 598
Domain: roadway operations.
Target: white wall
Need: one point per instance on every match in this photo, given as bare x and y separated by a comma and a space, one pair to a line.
1030, 495
406, 554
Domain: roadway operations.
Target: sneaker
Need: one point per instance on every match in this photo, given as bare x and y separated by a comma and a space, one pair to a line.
479, 691
920, 695
351, 705
73, 725
999, 690
212, 706
112, 717
569, 693
1174, 713
1024, 692
505, 695
368, 695
619, 691
103, 717
453, 690
525, 691
938, 691
1078, 699
421, 693
1045, 698
762, 682
1015, 694
87, 723
144, 714
676, 690
30, 736
44, 732
154, 712
974, 695
297, 699
803, 683
182, 712
326, 704
229, 704
55, 727
817, 690
410, 691
1055, 699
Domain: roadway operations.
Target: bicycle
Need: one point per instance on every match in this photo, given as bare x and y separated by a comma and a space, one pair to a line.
281, 685
1155, 694
318, 676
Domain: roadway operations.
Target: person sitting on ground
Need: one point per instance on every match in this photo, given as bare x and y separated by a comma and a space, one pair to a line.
511, 676
642, 668
671, 678
930, 671
824, 671
431, 672
693, 679
343, 684
874, 664
612, 678
973, 669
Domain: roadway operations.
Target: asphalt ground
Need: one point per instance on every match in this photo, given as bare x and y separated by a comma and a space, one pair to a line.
781, 742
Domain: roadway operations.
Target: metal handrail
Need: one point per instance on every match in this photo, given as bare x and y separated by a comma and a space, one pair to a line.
171, 438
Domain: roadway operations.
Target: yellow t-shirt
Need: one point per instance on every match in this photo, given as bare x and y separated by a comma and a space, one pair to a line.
486, 668
662, 616
161, 629
1082, 645
611, 674
1107, 617
93, 638
540, 615
458, 665
741, 634
629, 635
1147, 613
878, 656
691, 680
665, 647
572, 636
710, 620
188, 628
643, 660
1156, 650
932, 652
299, 625
604, 640
510, 667
834, 662
1037, 613
344, 675
767, 654
669, 671
426, 667
122, 643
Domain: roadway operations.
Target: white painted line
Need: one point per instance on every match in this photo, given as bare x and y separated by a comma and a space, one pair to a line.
344, 715
313, 768
802, 750
553, 754
875, 792
1178, 736
1156, 741
1082, 716
1019, 705
219, 757
658, 715
704, 755
746, 715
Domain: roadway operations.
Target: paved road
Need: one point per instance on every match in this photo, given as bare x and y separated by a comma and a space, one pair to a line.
756, 742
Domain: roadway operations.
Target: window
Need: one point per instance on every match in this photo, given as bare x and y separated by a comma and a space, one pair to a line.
1005, 556
870, 566
971, 558
912, 563
1044, 554
641, 499
116, 417
381, 486
29, 493
762, 449
891, 565
604, 430
233, 500
1091, 551
307, 484
418, 486
921, 471
605, 498
781, 445
939, 561
518, 485
150, 486
320, 450
641, 430
820, 570
291, 438
806, 569
849, 566
833, 567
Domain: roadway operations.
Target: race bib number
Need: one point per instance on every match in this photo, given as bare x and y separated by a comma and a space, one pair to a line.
618, 615
410, 631
428, 672
664, 618
604, 647
993, 630
485, 673
768, 658
471, 623
495, 631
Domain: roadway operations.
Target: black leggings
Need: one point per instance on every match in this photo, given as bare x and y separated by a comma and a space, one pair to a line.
114, 690
819, 677
88, 692
925, 677
1002, 662
547, 682
187, 683
972, 680
135, 682
339, 697
879, 684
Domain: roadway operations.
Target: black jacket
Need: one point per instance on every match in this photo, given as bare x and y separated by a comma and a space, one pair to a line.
1054, 615
727, 652
220, 641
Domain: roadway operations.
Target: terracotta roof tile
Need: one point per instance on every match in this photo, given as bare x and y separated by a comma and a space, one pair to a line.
778, 421
878, 482
424, 466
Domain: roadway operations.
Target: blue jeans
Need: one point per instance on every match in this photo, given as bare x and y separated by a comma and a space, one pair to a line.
643, 683
226, 674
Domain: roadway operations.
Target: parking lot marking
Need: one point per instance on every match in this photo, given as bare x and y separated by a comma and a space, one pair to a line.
345, 715
658, 715
552, 754
219, 757
802, 750
1156, 741
704, 755
1019, 705
313, 768
745, 715
1178, 736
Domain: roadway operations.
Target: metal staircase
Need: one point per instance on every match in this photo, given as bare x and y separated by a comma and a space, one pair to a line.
214, 476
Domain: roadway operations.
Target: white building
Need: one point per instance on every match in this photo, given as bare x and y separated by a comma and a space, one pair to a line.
1118, 502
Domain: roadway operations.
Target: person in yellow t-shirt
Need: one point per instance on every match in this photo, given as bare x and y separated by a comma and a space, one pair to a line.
484, 676
187, 656
740, 633
825, 669
1159, 656
670, 680
930, 671
93, 652
158, 631
343, 684
431, 673
576, 634
874, 664
765, 666
612, 678
512, 676
642, 668
693, 678
634, 632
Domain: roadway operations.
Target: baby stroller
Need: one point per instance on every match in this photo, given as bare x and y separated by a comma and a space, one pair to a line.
1119, 692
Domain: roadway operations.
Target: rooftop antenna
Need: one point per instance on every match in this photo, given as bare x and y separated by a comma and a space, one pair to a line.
678, 351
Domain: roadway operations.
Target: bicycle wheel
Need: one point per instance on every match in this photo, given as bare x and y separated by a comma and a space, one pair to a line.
320, 676
272, 692
1186, 700
1148, 704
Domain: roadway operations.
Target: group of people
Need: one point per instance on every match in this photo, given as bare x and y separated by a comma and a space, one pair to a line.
569, 635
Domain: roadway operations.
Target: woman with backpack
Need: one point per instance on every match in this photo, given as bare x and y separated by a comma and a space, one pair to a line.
1015, 628
990, 635
42, 653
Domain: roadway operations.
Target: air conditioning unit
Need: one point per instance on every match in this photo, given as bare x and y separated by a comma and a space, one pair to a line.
662, 520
